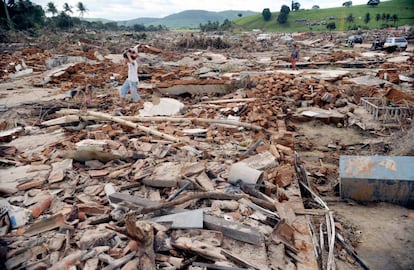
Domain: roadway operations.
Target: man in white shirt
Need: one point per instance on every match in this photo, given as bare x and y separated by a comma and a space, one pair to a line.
131, 83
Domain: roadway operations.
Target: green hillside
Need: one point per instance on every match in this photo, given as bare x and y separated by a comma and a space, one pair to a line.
189, 18
404, 9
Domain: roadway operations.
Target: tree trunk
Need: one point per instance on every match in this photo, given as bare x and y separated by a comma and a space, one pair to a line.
9, 22
143, 233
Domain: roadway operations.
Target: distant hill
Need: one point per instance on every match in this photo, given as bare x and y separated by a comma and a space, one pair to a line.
317, 19
96, 20
189, 18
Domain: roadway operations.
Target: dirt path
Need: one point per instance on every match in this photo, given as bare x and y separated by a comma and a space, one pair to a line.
387, 233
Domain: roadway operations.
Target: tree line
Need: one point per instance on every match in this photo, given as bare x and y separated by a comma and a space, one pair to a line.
25, 15
283, 14
350, 19
215, 26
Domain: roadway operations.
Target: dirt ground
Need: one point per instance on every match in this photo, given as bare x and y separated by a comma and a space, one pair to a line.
384, 233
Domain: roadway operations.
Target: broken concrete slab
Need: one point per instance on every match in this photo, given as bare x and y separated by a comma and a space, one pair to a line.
93, 238
118, 197
261, 161
192, 168
326, 116
63, 60
59, 170
378, 178
12, 178
233, 230
183, 220
398, 59
368, 80
45, 225
89, 149
21, 73
195, 89
165, 107
37, 142
87, 155
166, 174
205, 182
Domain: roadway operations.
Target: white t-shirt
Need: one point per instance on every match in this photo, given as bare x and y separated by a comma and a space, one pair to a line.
133, 71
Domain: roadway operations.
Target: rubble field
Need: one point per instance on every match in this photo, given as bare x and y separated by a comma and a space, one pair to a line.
233, 162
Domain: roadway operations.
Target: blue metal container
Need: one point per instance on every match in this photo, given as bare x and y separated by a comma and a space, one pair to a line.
378, 178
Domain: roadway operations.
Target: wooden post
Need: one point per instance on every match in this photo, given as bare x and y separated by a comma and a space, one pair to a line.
143, 233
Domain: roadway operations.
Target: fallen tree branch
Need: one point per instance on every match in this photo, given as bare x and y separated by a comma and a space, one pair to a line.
143, 233
116, 264
231, 100
121, 121
193, 119
171, 119
193, 196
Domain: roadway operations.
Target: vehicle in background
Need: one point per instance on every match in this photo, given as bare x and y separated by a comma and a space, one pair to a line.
390, 44
354, 39
261, 37
395, 43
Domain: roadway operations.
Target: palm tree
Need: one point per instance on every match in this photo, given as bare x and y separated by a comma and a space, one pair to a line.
67, 8
51, 8
81, 8
9, 22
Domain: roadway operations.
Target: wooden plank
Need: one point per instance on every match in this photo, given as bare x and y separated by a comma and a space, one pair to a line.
45, 225
184, 220
122, 197
238, 260
216, 267
233, 230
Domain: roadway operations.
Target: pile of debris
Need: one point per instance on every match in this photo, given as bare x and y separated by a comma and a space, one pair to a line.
197, 182
79, 186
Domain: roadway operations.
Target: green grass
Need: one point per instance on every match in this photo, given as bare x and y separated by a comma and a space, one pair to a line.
404, 9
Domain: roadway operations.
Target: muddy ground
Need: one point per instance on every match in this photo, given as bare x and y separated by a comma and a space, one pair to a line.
382, 234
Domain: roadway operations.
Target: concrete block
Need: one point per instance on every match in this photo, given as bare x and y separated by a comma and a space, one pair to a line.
184, 220
378, 178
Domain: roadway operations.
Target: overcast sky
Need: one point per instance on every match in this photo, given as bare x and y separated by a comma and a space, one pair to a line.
132, 9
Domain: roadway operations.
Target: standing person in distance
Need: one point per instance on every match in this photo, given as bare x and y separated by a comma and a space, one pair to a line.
294, 56
131, 83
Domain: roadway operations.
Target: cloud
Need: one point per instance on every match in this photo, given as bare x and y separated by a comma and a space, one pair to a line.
132, 9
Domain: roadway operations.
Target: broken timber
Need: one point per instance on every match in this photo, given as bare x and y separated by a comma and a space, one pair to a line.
230, 229
71, 117
121, 121
233, 230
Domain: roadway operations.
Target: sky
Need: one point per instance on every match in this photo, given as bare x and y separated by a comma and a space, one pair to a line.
119, 10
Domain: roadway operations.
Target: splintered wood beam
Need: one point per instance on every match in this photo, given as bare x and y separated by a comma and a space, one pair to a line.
194, 119
45, 225
233, 230
216, 195
216, 267
108, 117
143, 233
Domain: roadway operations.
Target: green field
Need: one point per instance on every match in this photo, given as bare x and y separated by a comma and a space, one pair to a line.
404, 9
